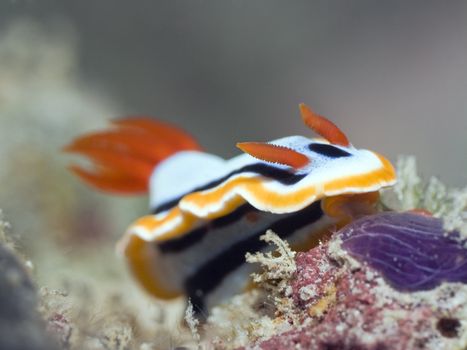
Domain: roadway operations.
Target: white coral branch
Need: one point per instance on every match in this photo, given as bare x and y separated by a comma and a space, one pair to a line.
192, 323
449, 204
278, 269
277, 265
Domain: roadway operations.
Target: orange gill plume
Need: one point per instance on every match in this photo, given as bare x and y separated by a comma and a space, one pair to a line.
124, 157
274, 153
323, 126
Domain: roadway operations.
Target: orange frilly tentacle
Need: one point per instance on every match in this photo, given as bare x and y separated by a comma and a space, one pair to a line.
166, 133
124, 157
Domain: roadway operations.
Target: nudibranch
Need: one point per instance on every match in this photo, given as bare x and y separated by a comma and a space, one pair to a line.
207, 212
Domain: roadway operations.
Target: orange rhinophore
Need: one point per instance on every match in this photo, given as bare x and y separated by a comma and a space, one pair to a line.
274, 154
323, 126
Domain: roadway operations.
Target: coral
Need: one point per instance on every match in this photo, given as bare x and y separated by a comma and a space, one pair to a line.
412, 192
250, 316
56, 310
118, 334
314, 286
409, 187
192, 323
344, 304
21, 326
245, 318
83, 318
278, 268
5, 238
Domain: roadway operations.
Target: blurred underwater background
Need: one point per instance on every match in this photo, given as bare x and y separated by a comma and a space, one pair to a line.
392, 75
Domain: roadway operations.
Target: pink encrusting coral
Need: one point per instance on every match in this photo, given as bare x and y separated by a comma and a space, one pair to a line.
345, 303
317, 276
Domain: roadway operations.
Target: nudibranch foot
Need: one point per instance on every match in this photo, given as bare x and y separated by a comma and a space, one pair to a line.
348, 207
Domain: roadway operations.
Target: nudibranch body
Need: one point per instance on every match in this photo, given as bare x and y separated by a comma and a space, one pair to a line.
208, 212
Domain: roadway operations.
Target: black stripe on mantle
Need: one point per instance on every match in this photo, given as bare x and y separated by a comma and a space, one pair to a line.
267, 170
185, 241
211, 274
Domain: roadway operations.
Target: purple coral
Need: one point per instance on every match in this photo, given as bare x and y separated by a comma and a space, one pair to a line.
411, 251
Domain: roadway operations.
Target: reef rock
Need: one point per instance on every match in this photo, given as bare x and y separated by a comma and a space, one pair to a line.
21, 327
388, 281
